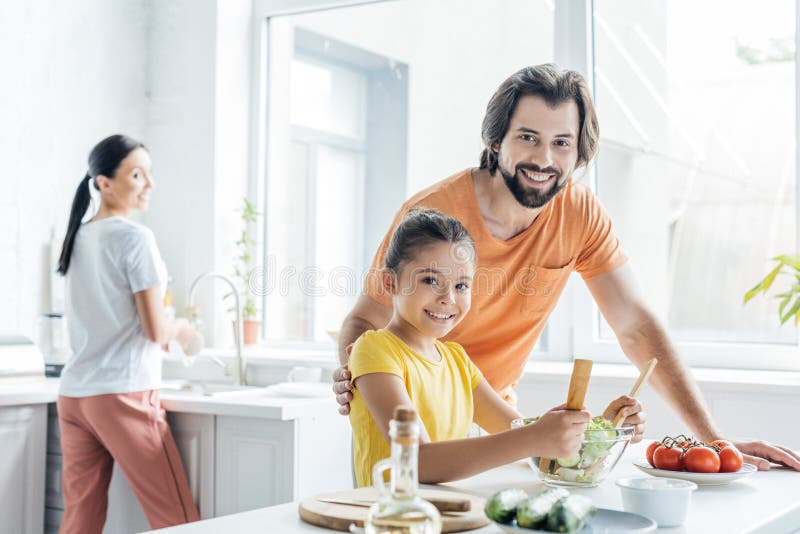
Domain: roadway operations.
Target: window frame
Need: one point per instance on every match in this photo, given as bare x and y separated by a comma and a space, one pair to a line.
258, 176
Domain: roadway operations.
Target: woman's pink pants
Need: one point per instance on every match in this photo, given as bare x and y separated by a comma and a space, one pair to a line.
130, 429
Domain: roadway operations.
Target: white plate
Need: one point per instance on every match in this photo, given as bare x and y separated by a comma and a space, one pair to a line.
302, 389
605, 520
701, 479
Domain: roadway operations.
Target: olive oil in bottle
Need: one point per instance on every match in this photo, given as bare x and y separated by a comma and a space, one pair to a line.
399, 510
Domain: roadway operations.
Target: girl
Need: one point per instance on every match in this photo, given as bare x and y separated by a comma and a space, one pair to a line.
108, 405
430, 264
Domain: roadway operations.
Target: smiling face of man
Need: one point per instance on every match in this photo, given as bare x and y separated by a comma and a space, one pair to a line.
539, 151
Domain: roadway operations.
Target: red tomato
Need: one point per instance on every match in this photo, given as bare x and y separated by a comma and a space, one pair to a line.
730, 459
668, 458
721, 443
650, 450
701, 460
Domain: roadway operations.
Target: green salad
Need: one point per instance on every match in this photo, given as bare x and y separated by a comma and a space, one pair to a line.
590, 462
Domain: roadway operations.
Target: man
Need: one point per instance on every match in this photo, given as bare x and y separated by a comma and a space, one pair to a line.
533, 226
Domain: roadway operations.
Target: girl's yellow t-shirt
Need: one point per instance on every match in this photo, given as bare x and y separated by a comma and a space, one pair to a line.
440, 391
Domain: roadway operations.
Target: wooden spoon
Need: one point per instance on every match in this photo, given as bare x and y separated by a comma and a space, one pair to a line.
578, 384
643, 376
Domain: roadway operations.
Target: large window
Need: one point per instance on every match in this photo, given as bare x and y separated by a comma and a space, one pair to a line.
316, 211
366, 105
369, 102
696, 102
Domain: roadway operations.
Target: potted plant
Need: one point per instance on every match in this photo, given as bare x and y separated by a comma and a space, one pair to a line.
789, 305
242, 268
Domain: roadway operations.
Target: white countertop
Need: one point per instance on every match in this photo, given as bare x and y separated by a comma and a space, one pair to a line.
29, 392
763, 502
265, 407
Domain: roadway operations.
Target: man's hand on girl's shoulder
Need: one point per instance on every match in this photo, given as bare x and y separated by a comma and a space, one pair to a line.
342, 388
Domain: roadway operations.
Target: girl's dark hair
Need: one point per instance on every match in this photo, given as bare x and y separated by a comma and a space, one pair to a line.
555, 86
422, 227
104, 159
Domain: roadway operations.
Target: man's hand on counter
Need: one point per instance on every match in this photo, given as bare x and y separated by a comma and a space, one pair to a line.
761, 453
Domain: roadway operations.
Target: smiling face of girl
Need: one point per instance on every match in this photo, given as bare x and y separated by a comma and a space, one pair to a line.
432, 292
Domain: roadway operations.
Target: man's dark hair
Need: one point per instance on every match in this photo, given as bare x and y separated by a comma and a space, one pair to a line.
555, 86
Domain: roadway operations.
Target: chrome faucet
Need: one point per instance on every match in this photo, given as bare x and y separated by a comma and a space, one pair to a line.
239, 377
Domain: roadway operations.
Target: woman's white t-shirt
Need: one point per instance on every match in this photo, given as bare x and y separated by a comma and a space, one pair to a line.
112, 259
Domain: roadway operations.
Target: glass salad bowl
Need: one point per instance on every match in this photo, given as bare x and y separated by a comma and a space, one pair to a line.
601, 450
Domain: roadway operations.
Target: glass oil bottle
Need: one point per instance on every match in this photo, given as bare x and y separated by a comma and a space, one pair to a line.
399, 510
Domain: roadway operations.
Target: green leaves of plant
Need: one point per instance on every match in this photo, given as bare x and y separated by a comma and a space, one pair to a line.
784, 260
243, 260
765, 284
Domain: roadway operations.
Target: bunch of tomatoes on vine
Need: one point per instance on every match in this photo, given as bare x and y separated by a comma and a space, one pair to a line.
680, 453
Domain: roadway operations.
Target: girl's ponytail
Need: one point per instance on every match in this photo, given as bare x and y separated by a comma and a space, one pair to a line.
79, 206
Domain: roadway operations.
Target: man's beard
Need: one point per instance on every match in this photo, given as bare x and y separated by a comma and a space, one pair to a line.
531, 198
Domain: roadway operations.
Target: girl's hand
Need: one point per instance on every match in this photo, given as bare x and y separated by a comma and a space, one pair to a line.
559, 433
633, 412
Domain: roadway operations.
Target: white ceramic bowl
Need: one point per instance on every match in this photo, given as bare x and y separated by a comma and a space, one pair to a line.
665, 500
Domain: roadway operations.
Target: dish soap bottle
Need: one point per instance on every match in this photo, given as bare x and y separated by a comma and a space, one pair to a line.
399, 510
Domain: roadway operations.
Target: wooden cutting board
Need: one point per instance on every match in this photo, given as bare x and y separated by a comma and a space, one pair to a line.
340, 516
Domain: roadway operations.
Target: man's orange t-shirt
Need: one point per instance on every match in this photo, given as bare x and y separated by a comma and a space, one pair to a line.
518, 281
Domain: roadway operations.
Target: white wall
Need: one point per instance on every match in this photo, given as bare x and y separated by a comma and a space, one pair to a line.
198, 130
173, 74
180, 133
73, 73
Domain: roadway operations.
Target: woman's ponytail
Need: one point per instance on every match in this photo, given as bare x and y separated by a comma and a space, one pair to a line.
79, 206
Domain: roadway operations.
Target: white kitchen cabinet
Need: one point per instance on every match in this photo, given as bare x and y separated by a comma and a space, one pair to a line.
254, 463
262, 462
23, 435
237, 463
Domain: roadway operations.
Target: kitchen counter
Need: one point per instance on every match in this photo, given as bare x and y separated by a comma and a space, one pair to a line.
265, 407
31, 392
763, 502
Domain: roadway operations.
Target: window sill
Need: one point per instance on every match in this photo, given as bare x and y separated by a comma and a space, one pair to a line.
723, 379
624, 374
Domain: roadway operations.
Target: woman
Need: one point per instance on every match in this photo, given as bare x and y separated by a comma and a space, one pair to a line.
108, 405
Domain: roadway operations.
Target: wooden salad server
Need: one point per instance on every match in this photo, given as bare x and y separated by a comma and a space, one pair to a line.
643, 376
578, 384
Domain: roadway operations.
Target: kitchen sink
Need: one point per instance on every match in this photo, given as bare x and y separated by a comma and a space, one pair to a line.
208, 389
297, 390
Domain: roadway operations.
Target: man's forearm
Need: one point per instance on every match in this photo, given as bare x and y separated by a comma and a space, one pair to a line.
352, 328
671, 378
